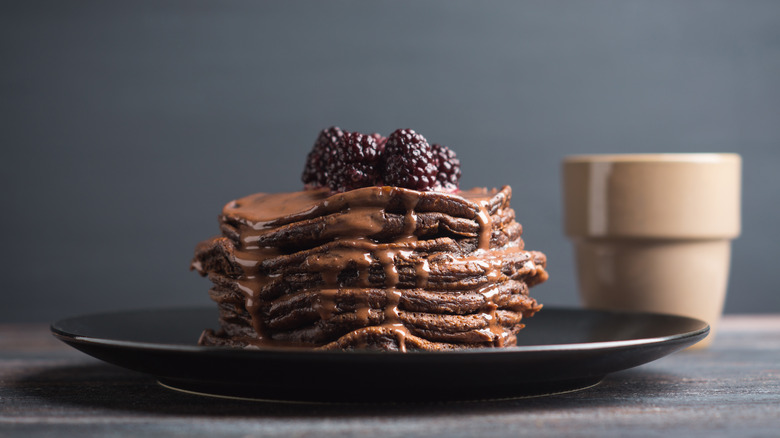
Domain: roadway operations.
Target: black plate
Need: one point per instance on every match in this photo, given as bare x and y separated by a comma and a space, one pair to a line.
559, 350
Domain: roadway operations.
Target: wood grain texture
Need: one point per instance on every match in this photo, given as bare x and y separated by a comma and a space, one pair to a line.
730, 389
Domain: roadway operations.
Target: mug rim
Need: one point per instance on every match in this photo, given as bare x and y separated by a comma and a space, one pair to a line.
696, 157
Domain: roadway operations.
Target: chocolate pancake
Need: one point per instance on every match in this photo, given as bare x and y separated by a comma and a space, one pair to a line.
323, 312
380, 226
377, 267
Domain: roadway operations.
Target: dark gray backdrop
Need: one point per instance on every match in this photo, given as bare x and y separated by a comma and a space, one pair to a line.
125, 126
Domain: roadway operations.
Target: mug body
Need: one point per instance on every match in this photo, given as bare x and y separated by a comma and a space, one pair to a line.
653, 232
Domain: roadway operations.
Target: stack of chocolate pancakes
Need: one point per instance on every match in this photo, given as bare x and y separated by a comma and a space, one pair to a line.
382, 268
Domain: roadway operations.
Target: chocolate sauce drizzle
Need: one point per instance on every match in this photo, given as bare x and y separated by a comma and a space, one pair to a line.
360, 214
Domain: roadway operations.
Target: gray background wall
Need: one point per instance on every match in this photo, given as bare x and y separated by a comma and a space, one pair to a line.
125, 126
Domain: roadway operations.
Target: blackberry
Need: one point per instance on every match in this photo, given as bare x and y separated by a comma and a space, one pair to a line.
409, 161
354, 162
342, 161
448, 172
315, 173
380, 141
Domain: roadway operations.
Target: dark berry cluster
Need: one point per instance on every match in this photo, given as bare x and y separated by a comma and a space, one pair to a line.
342, 160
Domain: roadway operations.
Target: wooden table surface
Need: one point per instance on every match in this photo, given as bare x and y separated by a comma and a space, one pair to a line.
730, 389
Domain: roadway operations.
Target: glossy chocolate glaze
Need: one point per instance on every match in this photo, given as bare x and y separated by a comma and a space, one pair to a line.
353, 219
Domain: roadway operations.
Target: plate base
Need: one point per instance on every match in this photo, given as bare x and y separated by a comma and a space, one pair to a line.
265, 394
562, 350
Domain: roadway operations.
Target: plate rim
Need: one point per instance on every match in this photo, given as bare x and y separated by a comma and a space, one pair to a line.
68, 337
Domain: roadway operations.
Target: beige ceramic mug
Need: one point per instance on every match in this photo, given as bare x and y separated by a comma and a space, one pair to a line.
653, 232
